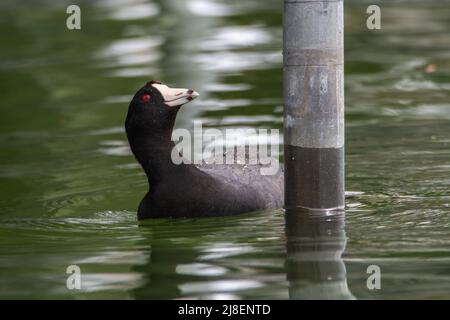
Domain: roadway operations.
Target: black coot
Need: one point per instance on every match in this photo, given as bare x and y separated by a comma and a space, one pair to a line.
187, 190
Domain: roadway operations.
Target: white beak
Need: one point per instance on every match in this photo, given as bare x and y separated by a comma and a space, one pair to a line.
175, 96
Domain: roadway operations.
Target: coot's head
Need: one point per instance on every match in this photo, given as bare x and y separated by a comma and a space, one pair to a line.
153, 109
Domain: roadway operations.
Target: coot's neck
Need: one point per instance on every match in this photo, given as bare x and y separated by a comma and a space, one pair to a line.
155, 156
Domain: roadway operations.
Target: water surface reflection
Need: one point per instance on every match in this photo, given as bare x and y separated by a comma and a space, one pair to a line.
314, 264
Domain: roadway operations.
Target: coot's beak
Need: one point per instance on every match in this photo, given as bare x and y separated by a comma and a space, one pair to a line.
175, 96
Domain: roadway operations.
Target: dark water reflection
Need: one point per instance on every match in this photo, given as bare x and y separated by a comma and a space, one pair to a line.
314, 265
70, 187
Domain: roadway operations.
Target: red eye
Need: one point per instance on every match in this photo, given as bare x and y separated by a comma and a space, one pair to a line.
145, 97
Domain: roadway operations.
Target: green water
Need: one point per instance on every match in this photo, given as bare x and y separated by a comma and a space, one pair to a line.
69, 187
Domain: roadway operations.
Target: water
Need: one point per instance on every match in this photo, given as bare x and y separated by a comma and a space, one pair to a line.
70, 187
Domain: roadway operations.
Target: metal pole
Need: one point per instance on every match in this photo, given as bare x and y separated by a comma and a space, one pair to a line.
314, 104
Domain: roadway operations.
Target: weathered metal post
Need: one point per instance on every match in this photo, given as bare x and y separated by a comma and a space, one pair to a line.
314, 104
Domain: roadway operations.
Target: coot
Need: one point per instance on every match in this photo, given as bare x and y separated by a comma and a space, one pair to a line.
188, 190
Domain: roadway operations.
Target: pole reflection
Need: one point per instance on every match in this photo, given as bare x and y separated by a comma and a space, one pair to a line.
314, 266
